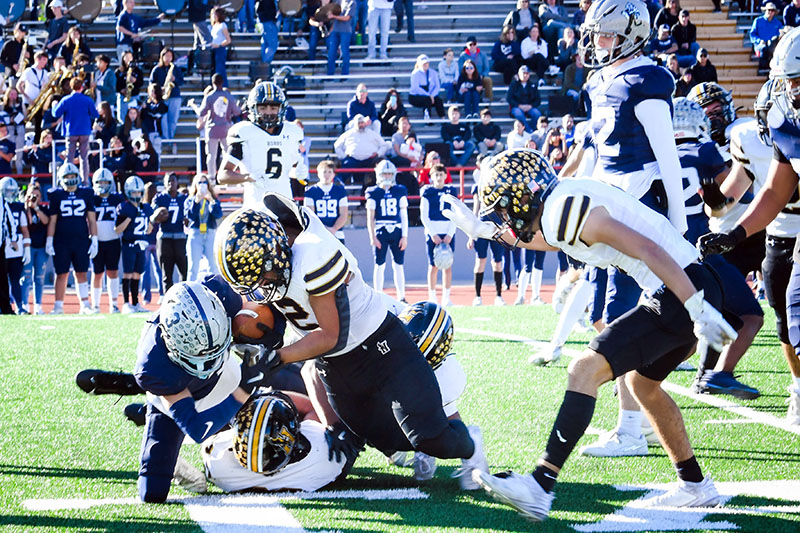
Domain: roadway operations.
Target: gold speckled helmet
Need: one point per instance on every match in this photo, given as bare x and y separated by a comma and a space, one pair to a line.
266, 432
250, 245
432, 330
512, 186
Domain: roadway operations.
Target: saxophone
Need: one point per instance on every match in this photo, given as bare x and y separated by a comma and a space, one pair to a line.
23, 60
129, 83
75, 52
169, 84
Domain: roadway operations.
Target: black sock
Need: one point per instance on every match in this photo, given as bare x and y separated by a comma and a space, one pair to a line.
478, 283
126, 289
689, 470
545, 477
573, 418
498, 283
708, 358
134, 292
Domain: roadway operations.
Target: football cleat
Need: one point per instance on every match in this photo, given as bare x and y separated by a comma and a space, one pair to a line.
127, 309
519, 300
94, 381
498, 301
476, 463
685, 365
793, 414
57, 311
614, 444
136, 413
189, 477
548, 355
649, 433
721, 382
476, 302
88, 310
113, 309
523, 493
401, 459
538, 301
687, 494
139, 308
424, 466
563, 288
447, 302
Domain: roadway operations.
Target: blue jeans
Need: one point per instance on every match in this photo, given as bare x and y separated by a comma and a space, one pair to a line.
335, 40
471, 99
199, 245
313, 40
287, 24
469, 148
529, 118
220, 55
269, 41
406, 7
33, 273
449, 90
359, 20
247, 16
688, 59
169, 122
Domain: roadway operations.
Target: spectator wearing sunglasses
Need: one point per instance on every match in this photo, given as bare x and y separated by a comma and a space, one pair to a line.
703, 70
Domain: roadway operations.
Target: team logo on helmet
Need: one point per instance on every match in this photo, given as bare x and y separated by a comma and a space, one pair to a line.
385, 173
10, 189
69, 175
134, 189
689, 121
431, 328
267, 428
266, 92
103, 181
707, 93
627, 20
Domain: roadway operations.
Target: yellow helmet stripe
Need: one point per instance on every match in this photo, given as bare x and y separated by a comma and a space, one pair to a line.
433, 331
254, 447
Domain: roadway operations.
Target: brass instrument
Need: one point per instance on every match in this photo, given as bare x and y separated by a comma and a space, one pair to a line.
169, 82
129, 84
23, 59
53, 86
75, 52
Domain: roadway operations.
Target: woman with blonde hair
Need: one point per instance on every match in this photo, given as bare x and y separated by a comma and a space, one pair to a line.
171, 91
203, 211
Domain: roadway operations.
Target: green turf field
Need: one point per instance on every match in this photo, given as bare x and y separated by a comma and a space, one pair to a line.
57, 443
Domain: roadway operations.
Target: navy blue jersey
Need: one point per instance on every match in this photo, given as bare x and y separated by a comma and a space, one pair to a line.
433, 196
106, 208
137, 229
620, 138
326, 204
174, 223
71, 209
387, 204
156, 373
699, 162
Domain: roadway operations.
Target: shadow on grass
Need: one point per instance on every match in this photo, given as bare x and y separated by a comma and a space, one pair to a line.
769, 456
81, 473
128, 525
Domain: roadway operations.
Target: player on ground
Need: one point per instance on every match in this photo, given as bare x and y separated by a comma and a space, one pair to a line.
133, 224
263, 151
603, 226
109, 248
328, 199
71, 235
387, 226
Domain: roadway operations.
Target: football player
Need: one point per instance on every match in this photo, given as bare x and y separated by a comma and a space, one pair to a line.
364, 355
780, 188
387, 225
264, 150
18, 254
171, 237
328, 199
438, 229
106, 200
603, 226
71, 235
133, 224
482, 247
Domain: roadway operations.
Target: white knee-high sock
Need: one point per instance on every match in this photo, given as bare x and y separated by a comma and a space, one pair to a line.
113, 290
399, 280
536, 282
574, 307
524, 278
83, 292
96, 292
630, 422
377, 277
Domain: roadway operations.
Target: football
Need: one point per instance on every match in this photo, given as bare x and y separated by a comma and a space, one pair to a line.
246, 321
161, 214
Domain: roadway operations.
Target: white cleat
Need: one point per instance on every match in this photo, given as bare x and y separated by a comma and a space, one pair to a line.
86, 310
523, 493
498, 301
563, 288
687, 494
400, 459
57, 311
127, 309
446, 302
685, 365
548, 355
189, 477
614, 444
139, 308
793, 414
424, 466
113, 309
38, 309
538, 301
476, 463
650, 435
476, 302
520, 300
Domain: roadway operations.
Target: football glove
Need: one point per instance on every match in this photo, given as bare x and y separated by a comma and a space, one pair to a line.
712, 196
93, 247
48, 247
343, 445
720, 243
259, 363
270, 337
467, 221
709, 326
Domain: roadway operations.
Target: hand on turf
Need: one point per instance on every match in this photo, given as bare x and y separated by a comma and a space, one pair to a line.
709, 325
343, 445
466, 220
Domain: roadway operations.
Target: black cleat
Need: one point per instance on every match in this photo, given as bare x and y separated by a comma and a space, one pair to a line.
135, 413
93, 381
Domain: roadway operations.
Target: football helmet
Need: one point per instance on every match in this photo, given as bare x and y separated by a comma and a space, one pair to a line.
707, 93
134, 189
431, 328
513, 187
784, 66
761, 107
267, 428
689, 121
443, 256
69, 175
103, 181
266, 92
385, 173
254, 256
195, 328
628, 21
10, 189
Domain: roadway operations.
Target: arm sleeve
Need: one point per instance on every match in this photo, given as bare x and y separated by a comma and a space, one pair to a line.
653, 114
424, 212
199, 426
404, 220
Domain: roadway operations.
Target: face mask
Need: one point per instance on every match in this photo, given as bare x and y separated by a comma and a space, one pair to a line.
202, 188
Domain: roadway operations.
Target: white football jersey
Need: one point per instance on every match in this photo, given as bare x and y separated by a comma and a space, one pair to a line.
312, 472
567, 207
452, 381
322, 264
265, 157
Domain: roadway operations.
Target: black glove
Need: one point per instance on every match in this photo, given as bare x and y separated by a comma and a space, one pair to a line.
712, 196
270, 338
258, 365
341, 441
720, 243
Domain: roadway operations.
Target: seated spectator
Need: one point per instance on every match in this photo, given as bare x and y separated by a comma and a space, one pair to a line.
457, 136
116, 161
74, 38
567, 48
540, 134
554, 18
153, 111
523, 98
487, 135
470, 87
448, 74
411, 150
144, 159
555, 139
668, 14
685, 35
662, 44
7, 151
534, 52
791, 14
673, 66
432, 158
131, 128
425, 88
391, 111
360, 147
360, 104
568, 131
518, 137
684, 84
764, 35
471, 51
506, 55
398, 140
40, 156
522, 19
703, 70
574, 78
105, 126
579, 17
557, 158
13, 115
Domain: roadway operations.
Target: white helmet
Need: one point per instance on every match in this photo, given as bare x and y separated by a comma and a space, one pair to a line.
10, 189
195, 328
385, 173
134, 188
443, 256
103, 181
628, 20
785, 65
689, 121
68, 175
